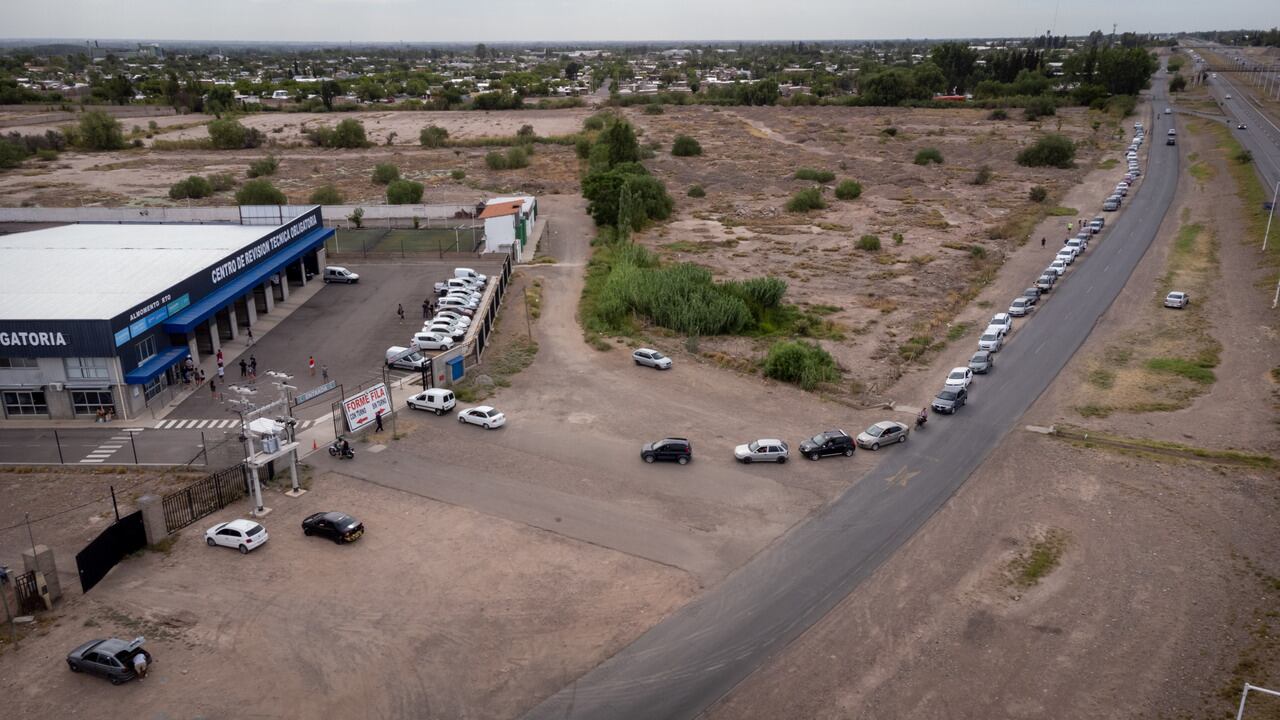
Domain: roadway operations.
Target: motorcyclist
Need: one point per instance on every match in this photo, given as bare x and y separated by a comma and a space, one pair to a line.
345, 448
923, 417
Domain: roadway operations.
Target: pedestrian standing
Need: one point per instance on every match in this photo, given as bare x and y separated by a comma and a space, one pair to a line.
249, 331
324, 373
1068, 228
400, 312
377, 419
1041, 242
213, 389
244, 366
426, 309
219, 357
200, 377
311, 364
253, 368
220, 372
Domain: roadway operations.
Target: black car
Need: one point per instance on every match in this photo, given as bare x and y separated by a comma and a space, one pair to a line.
950, 400
672, 449
111, 658
1032, 294
338, 527
831, 442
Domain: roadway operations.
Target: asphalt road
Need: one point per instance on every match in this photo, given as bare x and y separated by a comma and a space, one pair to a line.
1262, 137
685, 663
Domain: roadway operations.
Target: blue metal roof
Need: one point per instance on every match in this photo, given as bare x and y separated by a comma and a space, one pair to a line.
200, 311
145, 372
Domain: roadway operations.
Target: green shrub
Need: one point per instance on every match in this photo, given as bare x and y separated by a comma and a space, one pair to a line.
458, 174
325, 195
928, 155
696, 191
260, 192
870, 243
1037, 193
595, 122
99, 131
384, 173
582, 148
1050, 150
227, 134
998, 114
1243, 156
760, 293
653, 109
349, 134
433, 136
495, 160
517, 157
194, 187
266, 166
1121, 105
890, 131
983, 176
221, 182
404, 192
11, 154
46, 154
603, 191
685, 146
897, 238
806, 200
802, 363
822, 176
849, 190
1039, 106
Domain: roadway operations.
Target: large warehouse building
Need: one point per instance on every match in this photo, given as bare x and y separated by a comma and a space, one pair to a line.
101, 317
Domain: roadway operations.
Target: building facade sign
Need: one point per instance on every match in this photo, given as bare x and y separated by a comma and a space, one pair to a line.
55, 338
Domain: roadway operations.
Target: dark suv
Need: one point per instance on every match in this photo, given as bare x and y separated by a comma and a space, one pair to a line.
831, 442
676, 449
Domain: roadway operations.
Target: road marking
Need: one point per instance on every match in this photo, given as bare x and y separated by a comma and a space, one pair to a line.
1037, 350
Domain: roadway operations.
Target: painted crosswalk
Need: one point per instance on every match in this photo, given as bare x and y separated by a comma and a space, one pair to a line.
221, 424
103, 452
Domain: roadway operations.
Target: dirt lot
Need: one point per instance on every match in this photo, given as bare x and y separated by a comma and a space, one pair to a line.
437, 612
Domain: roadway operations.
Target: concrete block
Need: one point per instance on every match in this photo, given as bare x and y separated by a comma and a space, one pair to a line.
153, 518
42, 561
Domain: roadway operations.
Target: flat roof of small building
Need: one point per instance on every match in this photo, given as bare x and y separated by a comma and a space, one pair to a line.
95, 272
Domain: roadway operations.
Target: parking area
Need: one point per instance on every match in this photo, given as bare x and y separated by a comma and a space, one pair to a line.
347, 328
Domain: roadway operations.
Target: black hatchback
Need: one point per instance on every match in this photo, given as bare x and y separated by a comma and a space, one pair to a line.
338, 527
831, 442
670, 449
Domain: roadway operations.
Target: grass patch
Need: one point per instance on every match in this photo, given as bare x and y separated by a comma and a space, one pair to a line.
1201, 171
958, 331
1063, 212
1108, 164
1102, 378
1249, 188
1193, 371
822, 176
1164, 449
1094, 411
1029, 567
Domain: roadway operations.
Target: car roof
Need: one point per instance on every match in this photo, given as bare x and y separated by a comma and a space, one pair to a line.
960, 370
241, 524
674, 439
483, 408
645, 350
335, 516
982, 353
770, 441
112, 646
887, 424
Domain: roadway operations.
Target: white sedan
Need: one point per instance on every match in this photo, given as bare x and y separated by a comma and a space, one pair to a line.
243, 535
484, 416
959, 377
430, 341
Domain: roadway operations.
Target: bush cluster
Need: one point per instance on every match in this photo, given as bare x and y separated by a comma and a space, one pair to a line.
325, 195
194, 188
928, 155
696, 191
384, 173
802, 363
346, 134
806, 200
1050, 150
231, 135
849, 190
260, 192
822, 176
685, 146
870, 243
1037, 193
983, 176
514, 159
404, 192
266, 166
433, 136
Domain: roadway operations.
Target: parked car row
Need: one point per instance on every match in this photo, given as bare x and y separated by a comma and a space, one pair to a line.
775, 450
457, 299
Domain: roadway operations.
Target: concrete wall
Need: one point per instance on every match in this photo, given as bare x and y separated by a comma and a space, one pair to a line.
334, 215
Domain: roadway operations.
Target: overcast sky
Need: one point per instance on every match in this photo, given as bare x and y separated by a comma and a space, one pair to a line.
587, 20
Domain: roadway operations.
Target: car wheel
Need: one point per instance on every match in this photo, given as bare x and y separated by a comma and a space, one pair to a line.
74, 667
848, 452
115, 680
337, 540
439, 412
649, 458
813, 456
875, 446
306, 531
462, 419
782, 459
747, 459
490, 427
244, 550
210, 542
902, 439
682, 460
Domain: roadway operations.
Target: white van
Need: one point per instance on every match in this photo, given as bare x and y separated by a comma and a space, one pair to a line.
468, 273
403, 358
334, 273
436, 400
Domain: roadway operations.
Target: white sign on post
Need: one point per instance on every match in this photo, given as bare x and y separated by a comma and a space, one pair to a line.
361, 409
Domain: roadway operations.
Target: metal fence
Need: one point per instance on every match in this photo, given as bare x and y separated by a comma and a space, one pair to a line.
401, 238
117, 444
204, 497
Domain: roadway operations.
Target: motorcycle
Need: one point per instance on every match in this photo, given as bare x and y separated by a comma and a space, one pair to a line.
921, 419
336, 448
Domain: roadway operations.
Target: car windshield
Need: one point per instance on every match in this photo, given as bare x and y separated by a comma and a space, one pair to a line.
956, 375
979, 357
754, 446
656, 355
818, 439
254, 530
989, 336
947, 395
875, 431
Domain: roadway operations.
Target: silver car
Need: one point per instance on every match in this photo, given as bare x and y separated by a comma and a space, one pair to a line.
1177, 299
763, 450
1020, 307
885, 432
651, 358
992, 340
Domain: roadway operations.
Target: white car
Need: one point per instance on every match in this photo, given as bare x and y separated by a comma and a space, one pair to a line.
1059, 266
469, 297
436, 400
992, 340
243, 535
484, 416
1001, 320
1021, 307
457, 305
651, 358
959, 377
452, 316
763, 450
1078, 244
444, 329
1177, 299
430, 341
470, 274
1066, 255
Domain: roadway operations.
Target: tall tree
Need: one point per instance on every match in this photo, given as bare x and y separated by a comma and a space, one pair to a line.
329, 89
957, 62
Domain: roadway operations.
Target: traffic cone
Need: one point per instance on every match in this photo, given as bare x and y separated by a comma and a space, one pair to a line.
314, 446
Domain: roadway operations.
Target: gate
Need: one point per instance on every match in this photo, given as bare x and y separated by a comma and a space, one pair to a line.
123, 538
204, 497
26, 593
